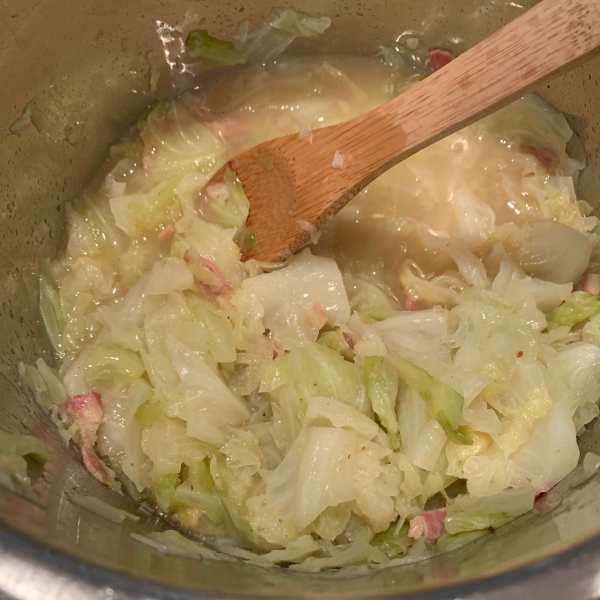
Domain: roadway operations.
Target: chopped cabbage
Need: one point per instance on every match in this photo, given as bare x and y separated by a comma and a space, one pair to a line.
577, 308
206, 404
50, 307
443, 290
420, 336
376, 485
304, 281
315, 474
369, 301
443, 403
212, 52
307, 412
167, 447
475, 218
120, 329
111, 361
355, 553
172, 542
382, 387
325, 473
467, 514
309, 370
167, 275
200, 478
425, 451
337, 341
140, 214
212, 243
554, 252
550, 453
43, 382
271, 37
228, 207
393, 542
469, 266
448, 543
340, 415
333, 521
13, 450
512, 285
220, 341
295, 552
97, 506
176, 144
25, 445
581, 363
365, 339
149, 413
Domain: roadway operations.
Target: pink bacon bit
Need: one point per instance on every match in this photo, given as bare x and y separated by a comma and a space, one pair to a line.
546, 158
316, 314
167, 233
589, 283
277, 348
230, 126
208, 276
209, 293
439, 57
349, 340
97, 467
541, 501
412, 305
86, 411
429, 523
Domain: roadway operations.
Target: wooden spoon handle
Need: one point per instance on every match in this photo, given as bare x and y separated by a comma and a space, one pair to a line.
498, 70
291, 183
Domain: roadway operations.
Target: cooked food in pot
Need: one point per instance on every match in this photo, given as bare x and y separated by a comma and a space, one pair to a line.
412, 380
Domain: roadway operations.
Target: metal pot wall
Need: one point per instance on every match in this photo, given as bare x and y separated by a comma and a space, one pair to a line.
85, 66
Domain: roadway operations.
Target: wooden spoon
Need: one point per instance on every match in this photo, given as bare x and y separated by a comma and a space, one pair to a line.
290, 182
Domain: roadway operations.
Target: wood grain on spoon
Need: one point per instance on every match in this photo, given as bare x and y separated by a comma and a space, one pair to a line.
290, 180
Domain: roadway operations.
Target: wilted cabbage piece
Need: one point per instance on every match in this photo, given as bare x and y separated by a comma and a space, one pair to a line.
213, 52
443, 403
465, 514
306, 280
102, 509
271, 37
577, 308
382, 388
260, 45
13, 450
172, 542
111, 361
226, 204
25, 445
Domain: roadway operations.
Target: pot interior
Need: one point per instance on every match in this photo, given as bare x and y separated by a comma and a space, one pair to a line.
86, 67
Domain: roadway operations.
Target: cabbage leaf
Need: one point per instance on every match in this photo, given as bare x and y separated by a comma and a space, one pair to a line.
381, 379
577, 308
306, 280
468, 514
228, 211
443, 403
273, 35
113, 362
208, 404
212, 51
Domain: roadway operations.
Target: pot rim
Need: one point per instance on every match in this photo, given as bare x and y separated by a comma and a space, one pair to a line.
30, 570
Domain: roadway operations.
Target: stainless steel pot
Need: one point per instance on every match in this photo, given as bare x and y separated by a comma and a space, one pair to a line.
85, 67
